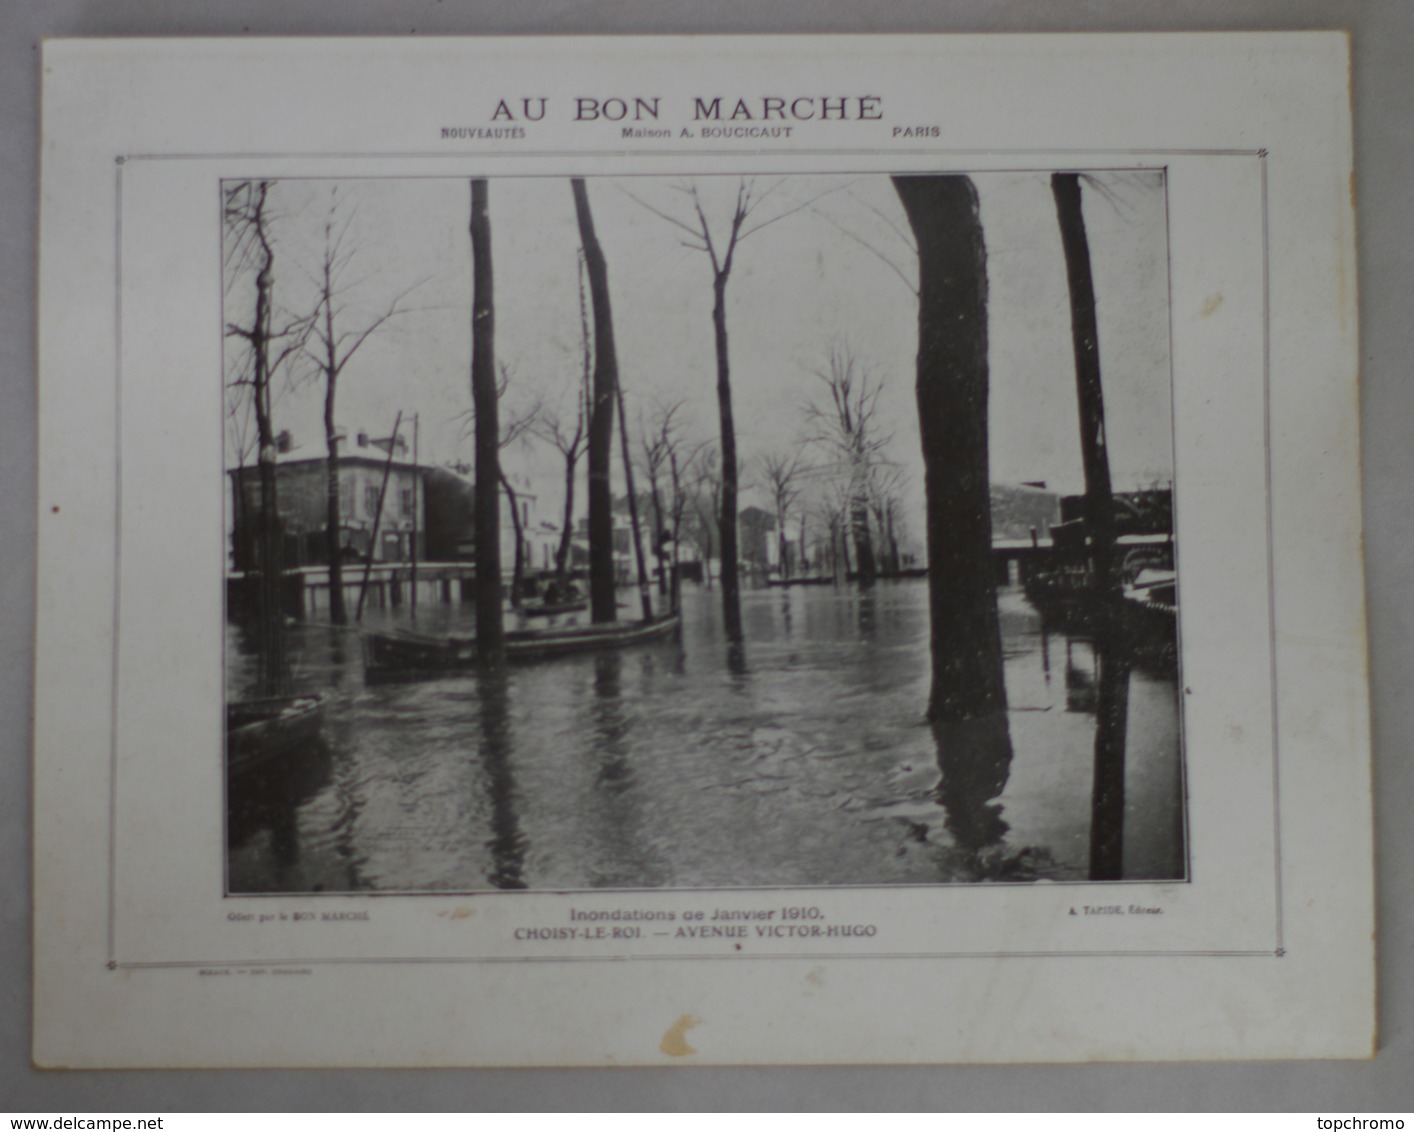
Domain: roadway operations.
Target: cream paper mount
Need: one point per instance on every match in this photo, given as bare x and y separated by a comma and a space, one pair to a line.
1026, 718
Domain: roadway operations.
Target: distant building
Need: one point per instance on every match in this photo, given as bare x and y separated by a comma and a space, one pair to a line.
1022, 510
625, 566
301, 484
1147, 512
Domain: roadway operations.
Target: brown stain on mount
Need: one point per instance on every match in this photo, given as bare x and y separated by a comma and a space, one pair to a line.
674, 1042
1214, 302
1342, 295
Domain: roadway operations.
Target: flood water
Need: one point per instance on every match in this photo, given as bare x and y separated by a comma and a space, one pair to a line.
805, 762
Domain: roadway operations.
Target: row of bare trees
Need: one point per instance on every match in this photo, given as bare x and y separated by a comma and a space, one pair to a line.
320, 343
597, 400
249, 252
595, 412
838, 487
842, 421
284, 342
952, 391
694, 490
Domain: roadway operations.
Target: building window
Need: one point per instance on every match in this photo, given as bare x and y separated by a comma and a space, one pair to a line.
407, 502
370, 500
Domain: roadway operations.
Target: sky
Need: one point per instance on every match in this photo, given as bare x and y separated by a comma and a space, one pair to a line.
831, 267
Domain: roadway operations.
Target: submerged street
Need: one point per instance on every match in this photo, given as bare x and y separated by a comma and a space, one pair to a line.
666, 766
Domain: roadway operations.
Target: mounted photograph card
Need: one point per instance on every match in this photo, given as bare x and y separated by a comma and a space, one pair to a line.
700, 551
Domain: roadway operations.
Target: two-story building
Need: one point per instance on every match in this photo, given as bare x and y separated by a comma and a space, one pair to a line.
377, 519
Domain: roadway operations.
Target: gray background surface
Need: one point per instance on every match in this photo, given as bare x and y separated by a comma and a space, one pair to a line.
1384, 128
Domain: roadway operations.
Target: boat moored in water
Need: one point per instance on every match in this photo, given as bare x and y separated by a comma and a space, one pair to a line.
1151, 601
262, 730
403, 651
405, 655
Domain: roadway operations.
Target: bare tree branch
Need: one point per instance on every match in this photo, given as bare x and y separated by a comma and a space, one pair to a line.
693, 232
867, 246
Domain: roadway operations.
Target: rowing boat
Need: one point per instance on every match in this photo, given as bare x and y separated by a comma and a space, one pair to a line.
541, 644
406, 651
402, 654
258, 731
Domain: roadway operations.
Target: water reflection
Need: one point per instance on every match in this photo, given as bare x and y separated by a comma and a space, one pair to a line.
266, 799
676, 764
621, 855
610, 723
506, 843
1107, 802
866, 617
1081, 686
974, 756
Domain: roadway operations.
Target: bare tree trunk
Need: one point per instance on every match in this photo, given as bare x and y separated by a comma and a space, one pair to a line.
562, 552
722, 253
270, 617
416, 484
270, 611
572, 449
674, 578
660, 532
952, 389
603, 603
644, 600
726, 515
863, 544
653, 457
1111, 722
879, 532
333, 521
377, 518
338, 349
675, 586
1085, 338
490, 630
518, 570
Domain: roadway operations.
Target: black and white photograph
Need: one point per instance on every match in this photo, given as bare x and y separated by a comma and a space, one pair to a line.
700, 531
